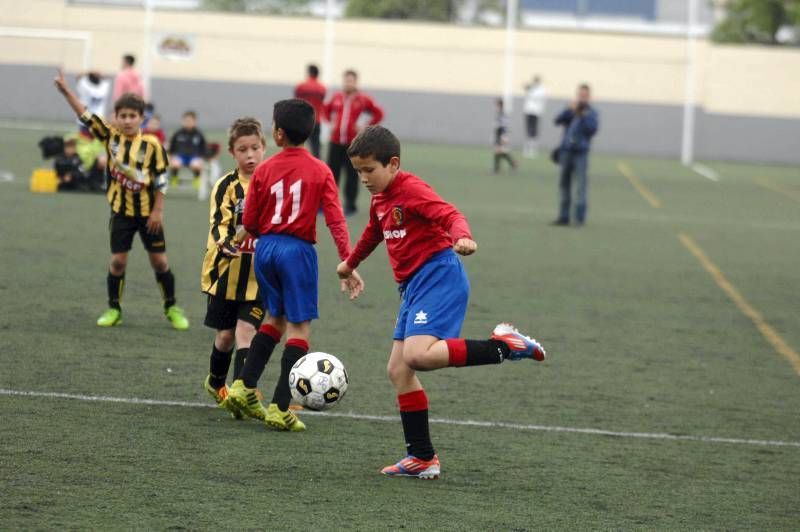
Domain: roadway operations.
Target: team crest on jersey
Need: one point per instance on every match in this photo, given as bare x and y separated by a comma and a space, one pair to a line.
239, 209
397, 215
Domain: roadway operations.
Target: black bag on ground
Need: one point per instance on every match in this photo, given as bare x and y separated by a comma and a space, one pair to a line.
51, 147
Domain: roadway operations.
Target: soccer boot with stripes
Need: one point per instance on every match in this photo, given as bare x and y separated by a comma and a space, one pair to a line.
246, 400
109, 318
414, 467
177, 318
519, 345
220, 396
280, 420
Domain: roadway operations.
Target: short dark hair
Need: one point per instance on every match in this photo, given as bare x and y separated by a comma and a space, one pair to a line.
295, 117
190, 113
130, 100
313, 70
243, 127
129, 59
351, 72
377, 142
585, 86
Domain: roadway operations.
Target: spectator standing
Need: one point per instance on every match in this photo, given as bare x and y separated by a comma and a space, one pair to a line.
313, 92
533, 108
128, 80
93, 90
343, 111
580, 122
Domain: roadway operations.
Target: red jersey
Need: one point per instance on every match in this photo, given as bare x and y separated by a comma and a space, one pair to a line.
343, 111
313, 92
415, 223
285, 193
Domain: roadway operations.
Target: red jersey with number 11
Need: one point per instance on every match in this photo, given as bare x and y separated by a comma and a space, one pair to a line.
285, 193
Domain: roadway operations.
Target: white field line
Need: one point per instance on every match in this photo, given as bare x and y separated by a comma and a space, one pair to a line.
705, 171
439, 421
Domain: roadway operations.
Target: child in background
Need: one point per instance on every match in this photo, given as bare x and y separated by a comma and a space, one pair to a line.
187, 148
154, 128
501, 139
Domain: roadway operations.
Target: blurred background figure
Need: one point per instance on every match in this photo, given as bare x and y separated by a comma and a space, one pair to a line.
93, 91
501, 139
533, 108
313, 92
187, 148
580, 123
128, 79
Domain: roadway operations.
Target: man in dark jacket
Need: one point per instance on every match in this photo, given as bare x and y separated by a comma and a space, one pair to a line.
580, 123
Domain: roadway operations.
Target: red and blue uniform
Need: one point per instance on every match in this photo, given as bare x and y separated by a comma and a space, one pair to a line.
419, 229
285, 193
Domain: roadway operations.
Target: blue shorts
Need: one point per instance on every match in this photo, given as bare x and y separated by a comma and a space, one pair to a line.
434, 300
287, 274
187, 160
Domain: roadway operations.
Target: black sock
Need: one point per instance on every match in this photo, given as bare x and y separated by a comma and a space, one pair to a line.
196, 173
291, 354
166, 281
238, 362
260, 350
218, 366
418, 439
173, 172
115, 286
481, 352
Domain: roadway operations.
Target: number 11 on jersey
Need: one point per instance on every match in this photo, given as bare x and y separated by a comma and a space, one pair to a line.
294, 192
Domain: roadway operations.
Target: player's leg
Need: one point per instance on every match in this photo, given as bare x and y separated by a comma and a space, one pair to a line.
196, 166
436, 299
298, 272
243, 391
175, 164
121, 232
421, 460
250, 316
156, 246
278, 414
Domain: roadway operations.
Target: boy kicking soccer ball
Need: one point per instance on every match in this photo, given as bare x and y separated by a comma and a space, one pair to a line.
234, 309
285, 194
422, 232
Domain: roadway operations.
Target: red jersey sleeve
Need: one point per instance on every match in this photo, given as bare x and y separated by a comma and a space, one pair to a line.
334, 217
375, 110
370, 238
252, 203
429, 205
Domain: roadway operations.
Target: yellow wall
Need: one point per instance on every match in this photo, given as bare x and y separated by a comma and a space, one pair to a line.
419, 57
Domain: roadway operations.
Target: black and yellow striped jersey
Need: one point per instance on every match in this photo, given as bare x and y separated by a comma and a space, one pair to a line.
231, 278
136, 169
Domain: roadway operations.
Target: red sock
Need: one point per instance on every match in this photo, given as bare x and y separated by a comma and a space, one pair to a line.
457, 351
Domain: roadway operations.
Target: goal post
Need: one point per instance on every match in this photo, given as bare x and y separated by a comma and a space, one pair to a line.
84, 37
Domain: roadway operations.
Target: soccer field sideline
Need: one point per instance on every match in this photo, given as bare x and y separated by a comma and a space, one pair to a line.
439, 421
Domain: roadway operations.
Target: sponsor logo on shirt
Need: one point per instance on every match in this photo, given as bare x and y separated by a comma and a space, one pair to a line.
397, 233
420, 318
124, 176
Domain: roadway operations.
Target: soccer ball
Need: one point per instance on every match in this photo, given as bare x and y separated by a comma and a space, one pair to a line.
318, 381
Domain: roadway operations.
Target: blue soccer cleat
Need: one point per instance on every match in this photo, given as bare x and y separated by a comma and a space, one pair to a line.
519, 345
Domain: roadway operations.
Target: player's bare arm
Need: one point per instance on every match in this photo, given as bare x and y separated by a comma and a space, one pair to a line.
63, 87
465, 246
155, 222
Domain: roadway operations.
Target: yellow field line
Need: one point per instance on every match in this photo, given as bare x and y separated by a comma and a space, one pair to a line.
770, 334
768, 184
638, 185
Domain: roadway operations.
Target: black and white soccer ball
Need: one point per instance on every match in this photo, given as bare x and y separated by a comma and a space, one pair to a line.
318, 381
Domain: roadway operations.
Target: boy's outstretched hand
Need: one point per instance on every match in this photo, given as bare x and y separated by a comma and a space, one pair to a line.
60, 82
351, 281
465, 246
